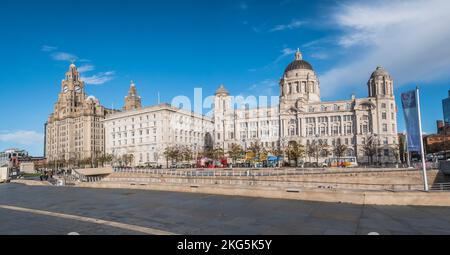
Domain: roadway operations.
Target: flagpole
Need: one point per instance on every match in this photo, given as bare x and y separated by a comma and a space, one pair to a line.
408, 155
424, 169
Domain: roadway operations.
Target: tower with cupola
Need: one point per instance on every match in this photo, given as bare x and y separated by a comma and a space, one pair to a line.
222, 112
132, 100
299, 84
381, 92
74, 131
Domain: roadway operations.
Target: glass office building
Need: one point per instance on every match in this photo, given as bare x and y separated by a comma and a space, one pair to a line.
446, 108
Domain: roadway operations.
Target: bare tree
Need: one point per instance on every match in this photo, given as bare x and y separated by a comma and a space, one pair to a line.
235, 152
340, 150
396, 151
255, 147
370, 149
311, 150
294, 151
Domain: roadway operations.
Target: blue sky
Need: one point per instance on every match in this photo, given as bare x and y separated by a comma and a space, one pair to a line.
171, 47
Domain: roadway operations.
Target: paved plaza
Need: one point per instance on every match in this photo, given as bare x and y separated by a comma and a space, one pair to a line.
61, 210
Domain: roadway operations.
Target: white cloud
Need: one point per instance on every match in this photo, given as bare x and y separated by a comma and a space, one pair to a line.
99, 78
85, 68
267, 87
284, 53
292, 25
243, 5
64, 56
47, 48
409, 38
319, 55
22, 137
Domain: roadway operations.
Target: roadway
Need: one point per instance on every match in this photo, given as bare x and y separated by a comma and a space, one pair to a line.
60, 210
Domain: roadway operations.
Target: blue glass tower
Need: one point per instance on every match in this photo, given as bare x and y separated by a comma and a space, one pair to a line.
446, 109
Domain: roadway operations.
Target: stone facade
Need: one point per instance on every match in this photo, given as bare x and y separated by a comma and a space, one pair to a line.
74, 130
302, 117
299, 116
132, 100
146, 132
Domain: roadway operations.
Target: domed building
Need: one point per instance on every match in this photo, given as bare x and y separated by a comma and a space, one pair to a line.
366, 126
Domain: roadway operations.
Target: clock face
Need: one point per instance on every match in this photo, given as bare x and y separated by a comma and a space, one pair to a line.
77, 89
65, 89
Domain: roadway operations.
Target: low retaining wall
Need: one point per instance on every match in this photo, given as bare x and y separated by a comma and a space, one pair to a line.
32, 182
416, 198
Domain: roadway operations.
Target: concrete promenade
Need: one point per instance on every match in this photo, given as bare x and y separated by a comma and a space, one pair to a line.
60, 210
358, 186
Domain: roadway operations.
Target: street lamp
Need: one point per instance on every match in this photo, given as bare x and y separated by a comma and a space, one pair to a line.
196, 153
377, 144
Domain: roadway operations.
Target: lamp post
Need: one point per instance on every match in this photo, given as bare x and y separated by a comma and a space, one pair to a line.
282, 146
196, 153
377, 145
316, 143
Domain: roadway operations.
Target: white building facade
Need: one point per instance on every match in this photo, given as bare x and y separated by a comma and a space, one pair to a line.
302, 117
146, 132
299, 116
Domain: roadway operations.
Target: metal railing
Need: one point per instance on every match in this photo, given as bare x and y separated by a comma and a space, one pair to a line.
77, 177
242, 177
445, 186
255, 172
272, 183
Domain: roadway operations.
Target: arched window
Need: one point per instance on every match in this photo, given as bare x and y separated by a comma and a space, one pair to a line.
291, 130
350, 152
322, 130
310, 130
335, 130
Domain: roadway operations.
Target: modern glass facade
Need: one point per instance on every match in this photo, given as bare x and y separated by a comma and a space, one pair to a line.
446, 108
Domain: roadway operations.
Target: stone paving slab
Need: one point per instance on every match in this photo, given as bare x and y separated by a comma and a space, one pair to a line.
189, 213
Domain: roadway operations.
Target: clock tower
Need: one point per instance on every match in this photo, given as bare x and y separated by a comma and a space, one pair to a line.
72, 94
74, 131
132, 100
